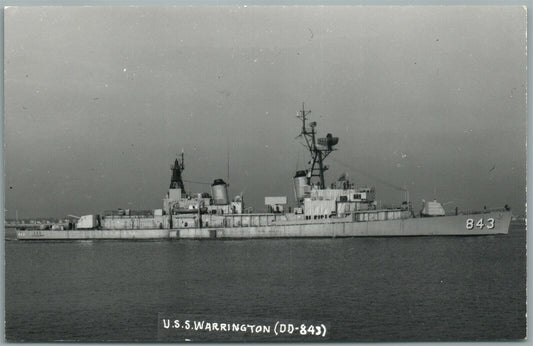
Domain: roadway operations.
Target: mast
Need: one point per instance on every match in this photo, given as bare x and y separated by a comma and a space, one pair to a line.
176, 182
319, 151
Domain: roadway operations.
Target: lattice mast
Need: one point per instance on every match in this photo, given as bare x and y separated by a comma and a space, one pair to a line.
176, 182
319, 151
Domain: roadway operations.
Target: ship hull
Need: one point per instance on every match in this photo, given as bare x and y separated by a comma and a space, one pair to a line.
496, 222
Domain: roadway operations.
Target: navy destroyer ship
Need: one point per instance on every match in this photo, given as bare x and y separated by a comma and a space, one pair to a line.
341, 209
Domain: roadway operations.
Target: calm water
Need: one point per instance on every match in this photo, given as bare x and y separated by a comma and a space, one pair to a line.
415, 288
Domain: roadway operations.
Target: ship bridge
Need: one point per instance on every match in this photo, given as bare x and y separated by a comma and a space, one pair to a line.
324, 203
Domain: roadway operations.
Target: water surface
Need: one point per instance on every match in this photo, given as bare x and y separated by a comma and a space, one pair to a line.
367, 289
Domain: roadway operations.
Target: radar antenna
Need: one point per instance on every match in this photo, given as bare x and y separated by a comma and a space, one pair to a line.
319, 151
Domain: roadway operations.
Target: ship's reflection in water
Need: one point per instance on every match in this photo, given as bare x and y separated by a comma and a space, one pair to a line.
413, 288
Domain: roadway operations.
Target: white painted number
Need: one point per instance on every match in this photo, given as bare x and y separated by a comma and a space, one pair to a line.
480, 224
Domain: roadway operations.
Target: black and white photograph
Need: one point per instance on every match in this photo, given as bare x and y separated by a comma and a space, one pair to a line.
265, 173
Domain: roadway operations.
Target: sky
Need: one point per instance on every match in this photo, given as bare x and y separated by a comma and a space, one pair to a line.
100, 100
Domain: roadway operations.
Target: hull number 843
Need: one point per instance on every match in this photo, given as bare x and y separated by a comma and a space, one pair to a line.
471, 223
